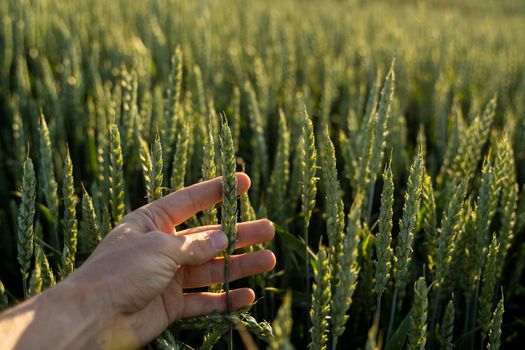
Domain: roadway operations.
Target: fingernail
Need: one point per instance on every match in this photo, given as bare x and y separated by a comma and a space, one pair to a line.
218, 240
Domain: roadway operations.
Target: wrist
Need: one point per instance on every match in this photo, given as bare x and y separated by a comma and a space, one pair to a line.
73, 314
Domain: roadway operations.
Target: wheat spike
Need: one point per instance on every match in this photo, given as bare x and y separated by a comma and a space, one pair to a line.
428, 204
282, 325
180, 158
116, 178
384, 236
309, 182
235, 120
209, 172
259, 146
447, 236
447, 327
157, 169
173, 103
47, 175
229, 198
469, 151
381, 122
69, 221
407, 224
505, 170
36, 280
281, 172
48, 277
26, 215
495, 326
417, 334
346, 282
335, 222
89, 221
320, 301
488, 285
145, 163
247, 211
309, 179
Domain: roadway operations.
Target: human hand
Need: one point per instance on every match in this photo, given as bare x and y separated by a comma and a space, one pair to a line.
133, 284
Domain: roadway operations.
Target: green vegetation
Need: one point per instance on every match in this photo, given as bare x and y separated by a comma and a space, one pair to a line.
386, 135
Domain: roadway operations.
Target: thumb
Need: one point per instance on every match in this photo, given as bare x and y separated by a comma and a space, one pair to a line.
192, 249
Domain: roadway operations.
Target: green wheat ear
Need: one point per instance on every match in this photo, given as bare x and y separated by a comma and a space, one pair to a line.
281, 172
229, 198
447, 327
309, 183
180, 158
26, 215
347, 261
116, 178
407, 224
321, 296
157, 169
495, 326
69, 221
384, 236
488, 285
209, 172
449, 228
417, 334
282, 325
49, 185
90, 222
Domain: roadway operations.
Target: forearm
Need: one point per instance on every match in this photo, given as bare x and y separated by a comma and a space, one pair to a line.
56, 319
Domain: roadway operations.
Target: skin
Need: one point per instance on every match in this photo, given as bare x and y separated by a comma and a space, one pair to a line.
136, 281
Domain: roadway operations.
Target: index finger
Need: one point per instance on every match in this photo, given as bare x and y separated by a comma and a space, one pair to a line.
177, 207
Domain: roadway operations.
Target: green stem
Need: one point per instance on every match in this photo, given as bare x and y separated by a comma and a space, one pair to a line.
24, 283
51, 248
473, 314
466, 322
378, 306
435, 308
307, 281
392, 314
227, 284
228, 301
370, 200
307, 286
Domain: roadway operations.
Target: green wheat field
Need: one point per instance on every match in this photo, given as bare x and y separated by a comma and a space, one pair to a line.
385, 140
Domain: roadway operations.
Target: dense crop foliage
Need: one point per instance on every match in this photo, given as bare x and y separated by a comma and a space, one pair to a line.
387, 136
